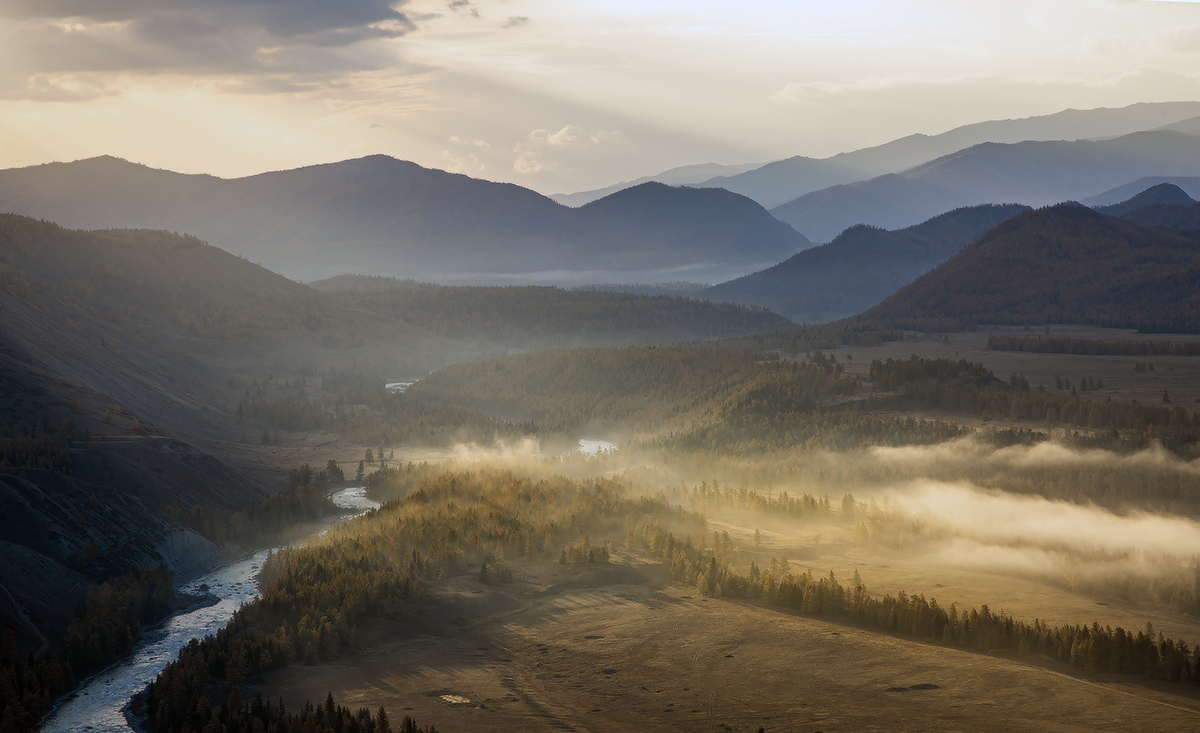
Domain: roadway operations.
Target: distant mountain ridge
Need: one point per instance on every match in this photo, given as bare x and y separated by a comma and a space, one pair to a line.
1163, 194
1060, 264
686, 175
777, 183
860, 267
1188, 184
379, 215
1033, 173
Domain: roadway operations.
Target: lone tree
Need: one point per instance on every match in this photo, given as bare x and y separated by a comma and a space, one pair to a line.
333, 471
369, 456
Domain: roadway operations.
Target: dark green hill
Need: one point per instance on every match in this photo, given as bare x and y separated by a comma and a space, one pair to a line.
1163, 194
1061, 264
1184, 220
162, 279
859, 268
380, 215
534, 316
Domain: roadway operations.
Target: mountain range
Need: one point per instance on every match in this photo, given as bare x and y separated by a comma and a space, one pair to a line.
127, 357
1162, 194
1060, 264
776, 183
378, 215
1032, 173
860, 267
686, 175
1188, 184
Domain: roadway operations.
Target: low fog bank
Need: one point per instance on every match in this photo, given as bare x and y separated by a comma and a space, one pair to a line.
1119, 551
1021, 511
1048, 454
1085, 548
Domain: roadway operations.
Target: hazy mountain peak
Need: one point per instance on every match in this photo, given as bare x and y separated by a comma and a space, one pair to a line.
1059, 264
381, 215
1166, 194
785, 180
860, 267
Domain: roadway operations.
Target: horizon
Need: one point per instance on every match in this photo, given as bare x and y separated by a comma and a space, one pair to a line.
558, 98
616, 184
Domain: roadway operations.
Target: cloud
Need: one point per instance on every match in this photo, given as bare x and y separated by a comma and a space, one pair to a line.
568, 145
515, 20
49, 40
456, 140
467, 6
465, 155
278, 18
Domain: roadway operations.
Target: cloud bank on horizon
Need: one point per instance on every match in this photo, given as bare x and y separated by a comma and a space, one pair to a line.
558, 96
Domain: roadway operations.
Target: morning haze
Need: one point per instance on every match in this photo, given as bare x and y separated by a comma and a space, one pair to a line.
486, 366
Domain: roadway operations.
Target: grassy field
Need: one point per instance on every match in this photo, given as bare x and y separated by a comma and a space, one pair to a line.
1179, 376
616, 649
620, 648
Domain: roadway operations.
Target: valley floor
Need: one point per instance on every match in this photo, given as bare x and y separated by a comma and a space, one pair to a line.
1179, 376
615, 648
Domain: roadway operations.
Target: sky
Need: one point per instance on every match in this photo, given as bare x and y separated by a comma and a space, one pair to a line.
557, 95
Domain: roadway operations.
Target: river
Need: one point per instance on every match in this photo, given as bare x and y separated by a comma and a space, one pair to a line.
99, 703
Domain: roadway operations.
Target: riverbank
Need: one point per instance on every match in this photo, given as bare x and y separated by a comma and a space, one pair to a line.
100, 703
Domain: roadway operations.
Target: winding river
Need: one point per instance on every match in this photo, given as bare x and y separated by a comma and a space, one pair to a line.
99, 703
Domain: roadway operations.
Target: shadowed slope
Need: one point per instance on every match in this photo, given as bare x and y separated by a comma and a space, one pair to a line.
1062, 264
859, 268
378, 215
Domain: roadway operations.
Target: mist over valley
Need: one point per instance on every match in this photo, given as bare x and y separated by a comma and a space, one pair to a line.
393, 390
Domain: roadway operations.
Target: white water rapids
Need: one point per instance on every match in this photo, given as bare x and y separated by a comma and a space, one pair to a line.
99, 703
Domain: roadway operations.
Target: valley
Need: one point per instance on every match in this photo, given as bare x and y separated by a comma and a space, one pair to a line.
653, 462
628, 655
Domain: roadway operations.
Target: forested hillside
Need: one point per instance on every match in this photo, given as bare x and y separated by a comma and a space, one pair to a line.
636, 389
1181, 220
860, 267
1162, 194
1062, 264
529, 316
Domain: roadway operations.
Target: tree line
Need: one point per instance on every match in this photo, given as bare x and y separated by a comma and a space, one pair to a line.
644, 388
305, 499
45, 445
961, 387
1087, 648
1092, 347
439, 524
529, 316
109, 622
105, 627
359, 408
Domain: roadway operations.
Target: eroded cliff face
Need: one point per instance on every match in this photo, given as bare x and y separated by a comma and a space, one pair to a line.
60, 534
82, 498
